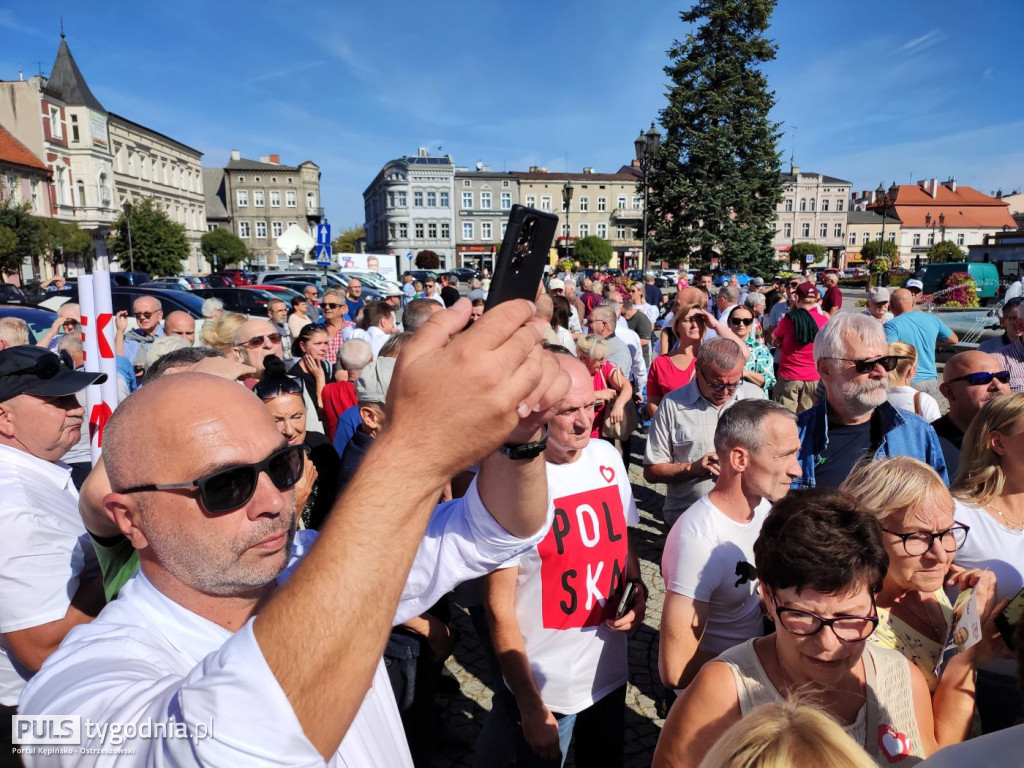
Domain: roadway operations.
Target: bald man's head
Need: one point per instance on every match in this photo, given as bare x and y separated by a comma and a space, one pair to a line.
964, 386
901, 300
690, 295
182, 324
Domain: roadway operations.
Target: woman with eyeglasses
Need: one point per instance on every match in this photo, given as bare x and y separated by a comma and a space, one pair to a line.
821, 561
316, 491
313, 368
760, 367
989, 493
901, 394
921, 537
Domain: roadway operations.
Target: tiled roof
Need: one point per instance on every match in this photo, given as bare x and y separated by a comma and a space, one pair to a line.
13, 152
256, 165
67, 83
965, 208
870, 217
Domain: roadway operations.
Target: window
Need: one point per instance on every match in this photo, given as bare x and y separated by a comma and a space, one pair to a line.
418, 229
256, 179
824, 204
931, 239
275, 198
531, 201
823, 229
417, 199
917, 238
584, 229
805, 229
403, 200
602, 204
485, 200
566, 232
467, 200
242, 198
310, 201
444, 199
814, 204
789, 204
276, 228
620, 232
467, 230
545, 202
892, 237
839, 204
466, 182
289, 198
620, 202
403, 230
80, 187
506, 199
74, 128
838, 232
212, 227
432, 231
56, 129
960, 238
584, 204
446, 230
432, 199
504, 226
637, 202
853, 237
273, 179
261, 230
787, 231
803, 203
289, 179
602, 231
391, 200
241, 179
505, 184
486, 230
257, 198
243, 229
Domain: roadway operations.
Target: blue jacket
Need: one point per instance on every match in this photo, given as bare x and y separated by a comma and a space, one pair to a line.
903, 434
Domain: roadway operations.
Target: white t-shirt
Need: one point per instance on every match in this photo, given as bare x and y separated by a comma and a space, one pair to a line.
903, 397
565, 581
705, 558
993, 750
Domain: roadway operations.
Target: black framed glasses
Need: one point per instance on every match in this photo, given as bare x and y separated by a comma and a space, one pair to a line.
888, 363
145, 315
45, 367
983, 378
269, 388
741, 321
849, 629
257, 341
919, 542
230, 488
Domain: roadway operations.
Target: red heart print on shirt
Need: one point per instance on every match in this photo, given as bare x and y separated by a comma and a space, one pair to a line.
894, 744
608, 474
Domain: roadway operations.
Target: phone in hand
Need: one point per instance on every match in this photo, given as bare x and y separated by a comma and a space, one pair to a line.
524, 251
626, 600
1008, 618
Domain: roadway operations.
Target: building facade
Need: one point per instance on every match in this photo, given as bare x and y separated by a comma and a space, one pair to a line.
24, 178
812, 210
259, 200
864, 226
483, 201
410, 207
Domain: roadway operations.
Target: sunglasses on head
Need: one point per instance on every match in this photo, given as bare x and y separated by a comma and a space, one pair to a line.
888, 363
230, 488
329, 305
257, 341
740, 320
45, 367
983, 377
270, 388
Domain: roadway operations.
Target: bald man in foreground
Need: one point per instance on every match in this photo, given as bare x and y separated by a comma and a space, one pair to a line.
210, 636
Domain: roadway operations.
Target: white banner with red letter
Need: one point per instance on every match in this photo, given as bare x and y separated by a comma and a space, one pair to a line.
98, 340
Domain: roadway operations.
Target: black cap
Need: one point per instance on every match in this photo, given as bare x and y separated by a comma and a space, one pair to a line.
30, 370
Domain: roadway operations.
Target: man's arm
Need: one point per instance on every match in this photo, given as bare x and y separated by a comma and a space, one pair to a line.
540, 728
683, 621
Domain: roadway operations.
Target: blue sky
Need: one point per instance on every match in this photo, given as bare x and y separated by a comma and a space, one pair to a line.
869, 92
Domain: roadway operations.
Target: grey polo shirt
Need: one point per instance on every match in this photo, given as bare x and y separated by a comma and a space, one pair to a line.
683, 431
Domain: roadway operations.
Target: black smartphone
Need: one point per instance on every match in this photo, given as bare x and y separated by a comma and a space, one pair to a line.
1007, 619
519, 266
626, 600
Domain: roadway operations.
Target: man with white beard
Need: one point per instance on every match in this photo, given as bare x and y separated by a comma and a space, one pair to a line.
855, 420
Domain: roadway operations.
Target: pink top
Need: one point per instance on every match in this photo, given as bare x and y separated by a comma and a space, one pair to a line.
664, 376
796, 361
601, 379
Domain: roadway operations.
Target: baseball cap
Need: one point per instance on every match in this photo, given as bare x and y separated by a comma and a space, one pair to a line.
807, 289
913, 283
30, 370
757, 282
554, 284
374, 380
394, 292
879, 295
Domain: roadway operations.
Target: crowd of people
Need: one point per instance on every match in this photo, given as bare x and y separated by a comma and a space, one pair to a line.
274, 533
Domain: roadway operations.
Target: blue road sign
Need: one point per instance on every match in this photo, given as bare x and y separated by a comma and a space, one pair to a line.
409, 255
323, 254
323, 235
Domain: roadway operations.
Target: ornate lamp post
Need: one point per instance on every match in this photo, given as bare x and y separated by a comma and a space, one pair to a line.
127, 207
646, 146
886, 200
567, 191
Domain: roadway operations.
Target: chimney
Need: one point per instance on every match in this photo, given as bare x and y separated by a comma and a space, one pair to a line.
935, 188
421, 152
794, 169
533, 169
588, 169
236, 155
634, 163
950, 184
275, 159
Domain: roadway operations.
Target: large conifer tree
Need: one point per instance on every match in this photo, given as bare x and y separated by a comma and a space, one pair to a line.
716, 182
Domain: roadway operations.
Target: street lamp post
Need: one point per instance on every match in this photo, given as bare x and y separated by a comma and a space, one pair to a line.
128, 218
646, 146
567, 191
886, 200
942, 227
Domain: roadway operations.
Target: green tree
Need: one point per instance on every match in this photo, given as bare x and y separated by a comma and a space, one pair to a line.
222, 247
799, 252
61, 241
347, 240
715, 181
592, 251
158, 245
946, 251
872, 250
427, 260
16, 218
8, 243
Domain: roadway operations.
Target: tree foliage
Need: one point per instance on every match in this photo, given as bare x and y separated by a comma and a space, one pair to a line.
348, 240
28, 243
715, 183
873, 249
62, 241
222, 247
8, 242
593, 251
159, 245
800, 251
428, 260
946, 251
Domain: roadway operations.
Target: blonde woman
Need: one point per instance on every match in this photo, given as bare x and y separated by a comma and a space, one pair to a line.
612, 389
219, 334
921, 538
784, 735
989, 493
901, 394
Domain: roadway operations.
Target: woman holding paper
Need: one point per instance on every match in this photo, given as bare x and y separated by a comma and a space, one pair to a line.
915, 617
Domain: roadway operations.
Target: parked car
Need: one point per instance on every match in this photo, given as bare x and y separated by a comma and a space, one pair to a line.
421, 274
282, 292
245, 299
724, 277
465, 274
11, 294
170, 283
39, 320
129, 278
237, 276
296, 285
122, 297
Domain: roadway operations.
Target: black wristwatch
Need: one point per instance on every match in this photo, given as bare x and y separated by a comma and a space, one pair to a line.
526, 450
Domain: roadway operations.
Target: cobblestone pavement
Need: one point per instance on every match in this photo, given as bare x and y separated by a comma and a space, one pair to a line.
462, 715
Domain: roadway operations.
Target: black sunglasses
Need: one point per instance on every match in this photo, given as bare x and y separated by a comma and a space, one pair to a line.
740, 320
888, 363
233, 487
983, 378
45, 367
270, 388
329, 305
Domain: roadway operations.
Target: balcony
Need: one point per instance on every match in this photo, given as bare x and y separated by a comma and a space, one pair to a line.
628, 214
315, 213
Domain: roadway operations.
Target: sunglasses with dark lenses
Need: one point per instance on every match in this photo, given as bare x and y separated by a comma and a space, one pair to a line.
794, 285
144, 315
982, 378
270, 388
329, 305
257, 341
741, 320
888, 363
45, 367
231, 488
